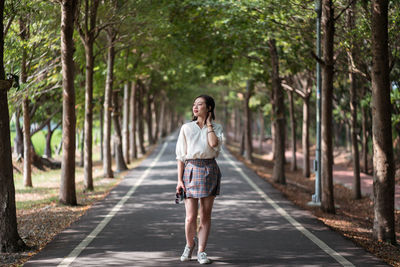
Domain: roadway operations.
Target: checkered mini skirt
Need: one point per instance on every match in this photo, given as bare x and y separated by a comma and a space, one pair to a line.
202, 178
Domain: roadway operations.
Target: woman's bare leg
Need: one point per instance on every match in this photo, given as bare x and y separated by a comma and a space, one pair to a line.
191, 205
206, 205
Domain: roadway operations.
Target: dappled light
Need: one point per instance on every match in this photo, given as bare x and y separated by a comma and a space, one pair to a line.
287, 111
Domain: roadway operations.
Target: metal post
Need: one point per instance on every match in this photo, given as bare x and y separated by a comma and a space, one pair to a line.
316, 198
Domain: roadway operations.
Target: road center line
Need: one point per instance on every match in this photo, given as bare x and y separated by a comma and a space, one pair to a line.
339, 258
78, 249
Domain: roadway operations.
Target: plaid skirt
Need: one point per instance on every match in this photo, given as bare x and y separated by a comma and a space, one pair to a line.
202, 178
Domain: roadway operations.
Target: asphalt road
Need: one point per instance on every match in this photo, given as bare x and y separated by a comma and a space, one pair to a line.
139, 224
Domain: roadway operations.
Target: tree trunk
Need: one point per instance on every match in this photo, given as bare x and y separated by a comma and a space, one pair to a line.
10, 240
278, 173
236, 126
272, 123
101, 133
25, 109
125, 114
88, 124
353, 107
306, 136
171, 121
107, 105
262, 126
59, 147
293, 132
81, 142
226, 114
242, 141
161, 117
247, 114
18, 139
383, 229
328, 20
163, 114
67, 187
26, 132
47, 149
354, 142
133, 110
88, 34
27, 144
364, 138
119, 157
157, 107
140, 116
149, 117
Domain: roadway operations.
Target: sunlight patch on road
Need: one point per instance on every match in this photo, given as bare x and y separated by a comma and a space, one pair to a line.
75, 253
321, 244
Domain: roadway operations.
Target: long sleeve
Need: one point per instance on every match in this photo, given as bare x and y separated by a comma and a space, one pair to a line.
181, 146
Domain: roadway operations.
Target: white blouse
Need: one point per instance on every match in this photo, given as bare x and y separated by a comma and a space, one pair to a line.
192, 142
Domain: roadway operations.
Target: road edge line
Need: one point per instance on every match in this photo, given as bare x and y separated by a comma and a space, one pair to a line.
89, 238
321, 244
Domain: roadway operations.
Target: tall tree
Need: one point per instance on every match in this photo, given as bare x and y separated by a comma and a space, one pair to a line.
10, 241
278, 173
125, 116
383, 229
119, 157
364, 129
24, 34
111, 37
303, 81
248, 144
293, 131
88, 32
50, 132
133, 110
353, 104
67, 187
140, 94
328, 28
149, 112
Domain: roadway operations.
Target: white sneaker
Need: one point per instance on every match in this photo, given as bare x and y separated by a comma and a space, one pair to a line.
202, 258
187, 253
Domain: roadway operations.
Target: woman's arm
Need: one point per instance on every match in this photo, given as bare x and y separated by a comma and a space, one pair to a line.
212, 139
180, 184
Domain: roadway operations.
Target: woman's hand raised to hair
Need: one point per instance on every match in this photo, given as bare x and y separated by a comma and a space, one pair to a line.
209, 119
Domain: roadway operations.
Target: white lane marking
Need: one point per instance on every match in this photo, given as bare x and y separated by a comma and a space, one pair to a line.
339, 258
78, 249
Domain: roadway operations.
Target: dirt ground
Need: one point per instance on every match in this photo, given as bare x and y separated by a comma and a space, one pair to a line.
353, 218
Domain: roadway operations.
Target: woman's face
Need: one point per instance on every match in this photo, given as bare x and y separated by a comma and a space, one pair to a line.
199, 107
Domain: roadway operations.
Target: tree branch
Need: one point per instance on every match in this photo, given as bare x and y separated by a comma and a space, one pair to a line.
8, 25
320, 60
343, 10
41, 126
297, 91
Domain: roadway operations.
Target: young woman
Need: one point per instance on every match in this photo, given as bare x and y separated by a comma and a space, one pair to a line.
198, 145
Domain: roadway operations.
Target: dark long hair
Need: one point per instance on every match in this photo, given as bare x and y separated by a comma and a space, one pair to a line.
210, 105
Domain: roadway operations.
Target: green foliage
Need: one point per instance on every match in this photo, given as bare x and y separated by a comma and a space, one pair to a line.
183, 48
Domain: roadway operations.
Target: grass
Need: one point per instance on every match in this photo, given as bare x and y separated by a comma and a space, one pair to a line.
39, 140
45, 190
